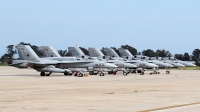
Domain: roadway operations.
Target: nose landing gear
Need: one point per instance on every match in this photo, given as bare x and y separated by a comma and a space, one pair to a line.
167, 72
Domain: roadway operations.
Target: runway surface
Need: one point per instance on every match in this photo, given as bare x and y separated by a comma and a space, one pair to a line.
23, 90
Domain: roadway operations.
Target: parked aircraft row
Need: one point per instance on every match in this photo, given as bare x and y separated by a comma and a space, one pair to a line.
96, 63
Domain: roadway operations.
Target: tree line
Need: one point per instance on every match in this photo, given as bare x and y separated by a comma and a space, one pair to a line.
195, 56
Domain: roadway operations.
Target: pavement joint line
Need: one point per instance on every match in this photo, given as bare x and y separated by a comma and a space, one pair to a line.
169, 107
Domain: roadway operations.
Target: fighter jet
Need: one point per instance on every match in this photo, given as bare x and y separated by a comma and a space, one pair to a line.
30, 59
126, 53
142, 65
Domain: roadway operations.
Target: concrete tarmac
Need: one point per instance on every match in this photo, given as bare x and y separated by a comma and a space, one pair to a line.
23, 90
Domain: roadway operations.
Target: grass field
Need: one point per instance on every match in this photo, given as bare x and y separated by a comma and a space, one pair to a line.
189, 68
1, 64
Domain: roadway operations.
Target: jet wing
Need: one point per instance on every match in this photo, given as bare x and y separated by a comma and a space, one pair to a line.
15, 64
42, 63
47, 63
52, 62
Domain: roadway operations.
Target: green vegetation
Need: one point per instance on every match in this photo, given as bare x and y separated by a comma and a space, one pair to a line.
1, 64
190, 68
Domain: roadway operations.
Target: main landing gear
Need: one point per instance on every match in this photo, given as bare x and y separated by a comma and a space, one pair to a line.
101, 74
125, 73
96, 72
67, 74
78, 74
155, 72
93, 72
141, 72
44, 74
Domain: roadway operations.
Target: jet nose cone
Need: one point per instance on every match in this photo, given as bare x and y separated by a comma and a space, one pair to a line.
169, 65
109, 65
150, 65
128, 65
178, 65
191, 65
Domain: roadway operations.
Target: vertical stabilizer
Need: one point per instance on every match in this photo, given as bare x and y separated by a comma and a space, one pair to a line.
27, 53
76, 51
125, 52
110, 52
94, 52
50, 51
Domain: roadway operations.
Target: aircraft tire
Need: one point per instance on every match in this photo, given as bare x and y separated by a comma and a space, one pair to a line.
101, 74
125, 74
66, 74
167, 72
141, 73
42, 74
110, 72
80, 75
91, 73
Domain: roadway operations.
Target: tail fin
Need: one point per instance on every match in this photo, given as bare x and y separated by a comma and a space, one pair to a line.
110, 52
50, 51
125, 52
27, 53
76, 51
94, 52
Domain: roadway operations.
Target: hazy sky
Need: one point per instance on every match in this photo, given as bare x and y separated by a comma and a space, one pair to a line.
172, 25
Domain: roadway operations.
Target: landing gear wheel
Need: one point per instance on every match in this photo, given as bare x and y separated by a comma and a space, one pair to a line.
42, 74
91, 73
101, 74
158, 72
95, 73
66, 74
141, 73
125, 73
167, 72
80, 75
110, 72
